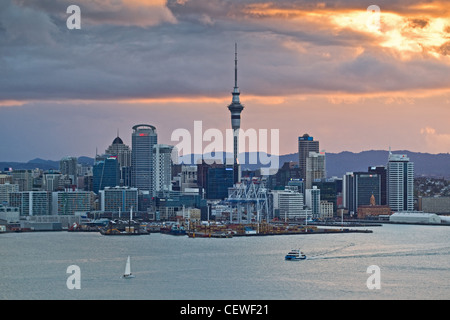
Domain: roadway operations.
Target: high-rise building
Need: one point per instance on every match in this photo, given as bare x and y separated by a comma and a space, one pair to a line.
219, 179
68, 166
163, 167
24, 178
382, 173
123, 154
315, 168
400, 183
306, 144
312, 201
236, 108
106, 172
143, 138
359, 188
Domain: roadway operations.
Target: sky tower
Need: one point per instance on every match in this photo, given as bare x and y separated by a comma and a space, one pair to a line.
236, 108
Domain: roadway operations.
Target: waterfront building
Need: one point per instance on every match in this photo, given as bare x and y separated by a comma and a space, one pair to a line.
326, 209
67, 203
439, 205
329, 190
31, 202
115, 199
306, 144
359, 188
287, 204
400, 183
143, 138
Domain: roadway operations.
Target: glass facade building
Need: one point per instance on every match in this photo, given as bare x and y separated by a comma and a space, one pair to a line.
143, 138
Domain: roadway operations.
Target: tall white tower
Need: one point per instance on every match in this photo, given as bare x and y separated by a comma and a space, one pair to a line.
236, 108
400, 183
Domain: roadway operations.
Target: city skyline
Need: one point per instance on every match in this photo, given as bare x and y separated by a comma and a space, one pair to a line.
304, 67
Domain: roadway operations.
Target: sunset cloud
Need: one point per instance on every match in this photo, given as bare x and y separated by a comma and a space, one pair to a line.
296, 58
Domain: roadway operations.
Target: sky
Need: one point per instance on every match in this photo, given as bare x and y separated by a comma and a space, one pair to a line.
354, 80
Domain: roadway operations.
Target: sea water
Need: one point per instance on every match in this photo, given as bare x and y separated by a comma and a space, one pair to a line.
413, 263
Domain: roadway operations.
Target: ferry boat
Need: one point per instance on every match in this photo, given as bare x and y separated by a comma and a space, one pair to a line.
295, 254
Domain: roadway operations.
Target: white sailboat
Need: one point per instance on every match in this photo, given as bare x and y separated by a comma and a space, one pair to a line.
128, 274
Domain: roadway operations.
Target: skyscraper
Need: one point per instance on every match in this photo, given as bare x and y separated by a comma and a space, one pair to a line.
163, 167
306, 144
315, 168
106, 172
236, 108
143, 138
400, 183
359, 187
68, 166
123, 154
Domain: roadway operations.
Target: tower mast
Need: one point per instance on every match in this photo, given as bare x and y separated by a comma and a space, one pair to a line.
236, 108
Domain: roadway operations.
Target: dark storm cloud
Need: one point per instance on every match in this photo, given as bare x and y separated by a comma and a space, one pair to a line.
186, 48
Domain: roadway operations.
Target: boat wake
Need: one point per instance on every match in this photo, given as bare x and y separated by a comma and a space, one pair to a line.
406, 253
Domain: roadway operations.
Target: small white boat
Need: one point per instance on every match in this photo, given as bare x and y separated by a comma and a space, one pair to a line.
128, 274
295, 254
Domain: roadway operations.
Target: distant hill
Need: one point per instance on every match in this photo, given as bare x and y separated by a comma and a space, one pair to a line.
425, 164
337, 164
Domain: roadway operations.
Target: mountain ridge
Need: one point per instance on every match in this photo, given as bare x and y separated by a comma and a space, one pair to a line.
337, 164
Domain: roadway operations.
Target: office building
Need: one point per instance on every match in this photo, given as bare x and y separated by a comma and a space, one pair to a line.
359, 187
288, 204
123, 154
306, 144
69, 166
400, 183
218, 180
162, 154
315, 168
312, 201
106, 172
143, 138
382, 173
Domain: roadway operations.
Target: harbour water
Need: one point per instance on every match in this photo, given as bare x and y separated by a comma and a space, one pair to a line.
414, 263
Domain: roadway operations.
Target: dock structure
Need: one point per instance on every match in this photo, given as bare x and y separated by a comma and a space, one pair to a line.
248, 201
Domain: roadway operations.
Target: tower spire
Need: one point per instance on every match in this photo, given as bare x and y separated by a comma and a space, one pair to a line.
235, 65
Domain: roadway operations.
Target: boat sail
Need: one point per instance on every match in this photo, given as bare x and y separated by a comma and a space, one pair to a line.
128, 274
